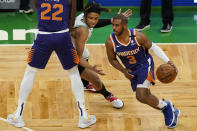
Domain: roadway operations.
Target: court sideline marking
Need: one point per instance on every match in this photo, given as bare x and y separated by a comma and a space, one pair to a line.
103, 44
27, 129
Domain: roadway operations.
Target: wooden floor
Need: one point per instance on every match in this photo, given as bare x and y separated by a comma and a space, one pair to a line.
51, 105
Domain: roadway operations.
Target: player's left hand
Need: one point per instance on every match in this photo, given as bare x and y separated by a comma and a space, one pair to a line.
127, 13
172, 64
98, 71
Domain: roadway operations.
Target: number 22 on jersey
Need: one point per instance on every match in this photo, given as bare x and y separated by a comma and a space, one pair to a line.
54, 16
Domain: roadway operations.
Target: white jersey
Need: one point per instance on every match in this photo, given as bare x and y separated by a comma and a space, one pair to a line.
79, 22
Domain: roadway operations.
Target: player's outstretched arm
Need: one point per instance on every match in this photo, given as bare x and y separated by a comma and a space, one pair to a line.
81, 35
105, 22
113, 60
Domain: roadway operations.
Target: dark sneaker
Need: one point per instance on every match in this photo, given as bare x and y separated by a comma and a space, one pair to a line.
169, 114
142, 26
177, 114
26, 11
166, 28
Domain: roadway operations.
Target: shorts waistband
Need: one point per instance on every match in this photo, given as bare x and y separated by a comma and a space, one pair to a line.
62, 31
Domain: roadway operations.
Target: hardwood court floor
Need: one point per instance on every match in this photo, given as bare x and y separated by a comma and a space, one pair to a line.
51, 105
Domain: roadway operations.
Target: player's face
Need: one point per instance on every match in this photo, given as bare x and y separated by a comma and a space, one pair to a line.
92, 19
117, 26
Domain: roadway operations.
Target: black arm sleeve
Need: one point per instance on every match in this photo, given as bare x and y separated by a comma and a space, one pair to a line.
103, 22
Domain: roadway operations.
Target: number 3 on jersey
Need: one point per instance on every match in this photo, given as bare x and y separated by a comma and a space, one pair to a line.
132, 59
48, 9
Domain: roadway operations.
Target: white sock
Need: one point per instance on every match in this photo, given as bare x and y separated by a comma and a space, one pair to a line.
77, 88
25, 88
161, 104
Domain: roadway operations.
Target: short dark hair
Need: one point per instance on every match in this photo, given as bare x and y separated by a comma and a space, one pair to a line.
122, 17
94, 7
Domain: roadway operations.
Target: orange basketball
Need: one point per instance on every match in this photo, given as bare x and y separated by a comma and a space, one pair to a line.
166, 73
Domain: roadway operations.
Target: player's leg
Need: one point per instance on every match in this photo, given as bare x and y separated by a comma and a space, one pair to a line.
69, 60
37, 59
78, 91
16, 119
87, 85
141, 83
144, 95
92, 77
145, 77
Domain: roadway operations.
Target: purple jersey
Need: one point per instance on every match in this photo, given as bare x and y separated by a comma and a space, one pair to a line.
131, 54
136, 58
53, 35
53, 15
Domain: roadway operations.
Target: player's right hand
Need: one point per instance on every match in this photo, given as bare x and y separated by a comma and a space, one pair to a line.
172, 64
127, 74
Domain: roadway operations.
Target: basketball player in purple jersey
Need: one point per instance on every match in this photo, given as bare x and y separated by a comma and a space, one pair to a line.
132, 49
54, 19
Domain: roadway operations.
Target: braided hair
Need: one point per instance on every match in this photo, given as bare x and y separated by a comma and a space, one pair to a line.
94, 7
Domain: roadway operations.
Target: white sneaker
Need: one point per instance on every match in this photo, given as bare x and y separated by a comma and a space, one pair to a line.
18, 122
116, 103
86, 122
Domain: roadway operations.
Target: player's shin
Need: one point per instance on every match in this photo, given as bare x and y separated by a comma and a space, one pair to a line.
104, 92
25, 88
77, 88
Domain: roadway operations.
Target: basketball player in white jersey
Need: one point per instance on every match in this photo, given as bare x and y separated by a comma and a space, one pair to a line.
83, 28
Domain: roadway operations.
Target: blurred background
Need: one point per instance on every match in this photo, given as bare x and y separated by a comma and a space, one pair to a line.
18, 21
